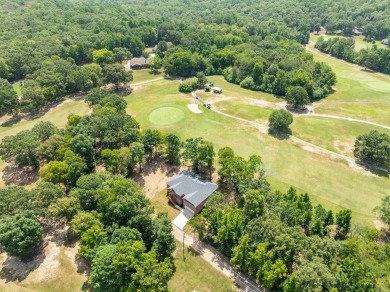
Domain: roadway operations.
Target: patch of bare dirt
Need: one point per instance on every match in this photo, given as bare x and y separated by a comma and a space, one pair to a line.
379, 225
48, 269
45, 264
343, 147
154, 176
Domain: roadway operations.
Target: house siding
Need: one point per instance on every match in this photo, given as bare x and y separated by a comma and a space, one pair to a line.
194, 209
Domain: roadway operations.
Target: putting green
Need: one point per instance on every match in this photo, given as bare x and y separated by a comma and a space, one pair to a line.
166, 115
378, 85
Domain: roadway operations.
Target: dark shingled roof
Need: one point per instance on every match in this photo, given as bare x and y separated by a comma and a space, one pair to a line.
194, 189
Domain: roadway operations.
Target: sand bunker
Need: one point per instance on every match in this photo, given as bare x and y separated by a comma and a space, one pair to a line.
194, 108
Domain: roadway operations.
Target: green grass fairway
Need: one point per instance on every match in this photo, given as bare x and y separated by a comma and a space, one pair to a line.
166, 115
356, 85
58, 116
377, 113
335, 135
195, 274
329, 182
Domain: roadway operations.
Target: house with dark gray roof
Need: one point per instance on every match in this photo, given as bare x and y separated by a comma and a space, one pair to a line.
189, 191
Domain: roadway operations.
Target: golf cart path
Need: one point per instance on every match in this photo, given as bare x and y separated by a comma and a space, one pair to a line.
347, 119
310, 112
309, 146
216, 260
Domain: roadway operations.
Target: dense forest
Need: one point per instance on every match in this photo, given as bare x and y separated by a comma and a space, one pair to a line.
52, 44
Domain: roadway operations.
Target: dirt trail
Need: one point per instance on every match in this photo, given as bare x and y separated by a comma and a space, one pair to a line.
146, 82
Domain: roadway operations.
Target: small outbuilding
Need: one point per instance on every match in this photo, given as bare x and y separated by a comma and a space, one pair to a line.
189, 191
217, 90
386, 42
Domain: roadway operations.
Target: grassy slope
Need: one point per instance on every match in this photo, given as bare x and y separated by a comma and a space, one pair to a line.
329, 182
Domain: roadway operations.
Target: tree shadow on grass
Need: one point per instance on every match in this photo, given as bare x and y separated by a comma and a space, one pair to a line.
11, 121
20, 176
379, 171
280, 135
16, 268
366, 70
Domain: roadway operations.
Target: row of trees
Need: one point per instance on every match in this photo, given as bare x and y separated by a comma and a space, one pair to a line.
375, 58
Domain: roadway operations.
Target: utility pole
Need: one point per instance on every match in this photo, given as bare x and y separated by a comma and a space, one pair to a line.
184, 235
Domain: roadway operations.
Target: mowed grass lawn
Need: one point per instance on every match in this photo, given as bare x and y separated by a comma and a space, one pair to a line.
233, 90
329, 182
195, 274
335, 135
332, 134
58, 116
144, 75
